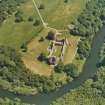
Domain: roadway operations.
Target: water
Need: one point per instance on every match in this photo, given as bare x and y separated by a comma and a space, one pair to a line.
89, 71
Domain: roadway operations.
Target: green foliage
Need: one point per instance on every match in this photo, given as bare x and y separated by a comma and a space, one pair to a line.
102, 55
37, 22
66, 1
7, 7
88, 23
71, 70
59, 68
15, 74
92, 92
103, 62
16, 101
24, 47
30, 19
18, 16
5, 84
42, 57
25, 90
41, 6
83, 49
41, 39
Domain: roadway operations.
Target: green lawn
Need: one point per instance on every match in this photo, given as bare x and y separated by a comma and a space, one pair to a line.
15, 34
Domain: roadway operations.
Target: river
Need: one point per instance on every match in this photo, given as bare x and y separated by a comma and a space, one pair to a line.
89, 71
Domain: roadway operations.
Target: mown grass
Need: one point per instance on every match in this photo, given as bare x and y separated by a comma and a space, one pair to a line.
35, 48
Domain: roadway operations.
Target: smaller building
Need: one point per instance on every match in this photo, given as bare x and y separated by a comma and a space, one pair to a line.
51, 36
52, 60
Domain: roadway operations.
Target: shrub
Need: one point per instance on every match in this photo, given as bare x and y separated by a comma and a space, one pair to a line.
41, 39
71, 70
37, 22
59, 68
30, 19
18, 16
83, 49
24, 47
41, 6
42, 57
66, 1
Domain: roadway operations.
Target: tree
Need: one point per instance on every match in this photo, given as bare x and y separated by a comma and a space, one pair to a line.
41, 39
66, 1
103, 62
18, 16
42, 57
71, 70
41, 6
59, 68
37, 22
30, 19
83, 49
8, 7
24, 47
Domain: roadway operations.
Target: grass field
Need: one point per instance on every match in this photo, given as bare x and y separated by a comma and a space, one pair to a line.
57, 14
14, 34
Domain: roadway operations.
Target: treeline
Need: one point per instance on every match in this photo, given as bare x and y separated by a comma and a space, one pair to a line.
70, 70
16, 101
15, 77
8, 7
88, 23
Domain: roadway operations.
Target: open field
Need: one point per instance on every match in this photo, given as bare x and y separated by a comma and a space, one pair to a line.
15, 34
57, 14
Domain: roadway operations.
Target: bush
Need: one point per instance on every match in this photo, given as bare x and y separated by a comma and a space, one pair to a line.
24, 47
36, 23
71, 70
41, 39
66, 1
59, 68
83, 49
41, 6
18, 16
30, 19
42, 57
